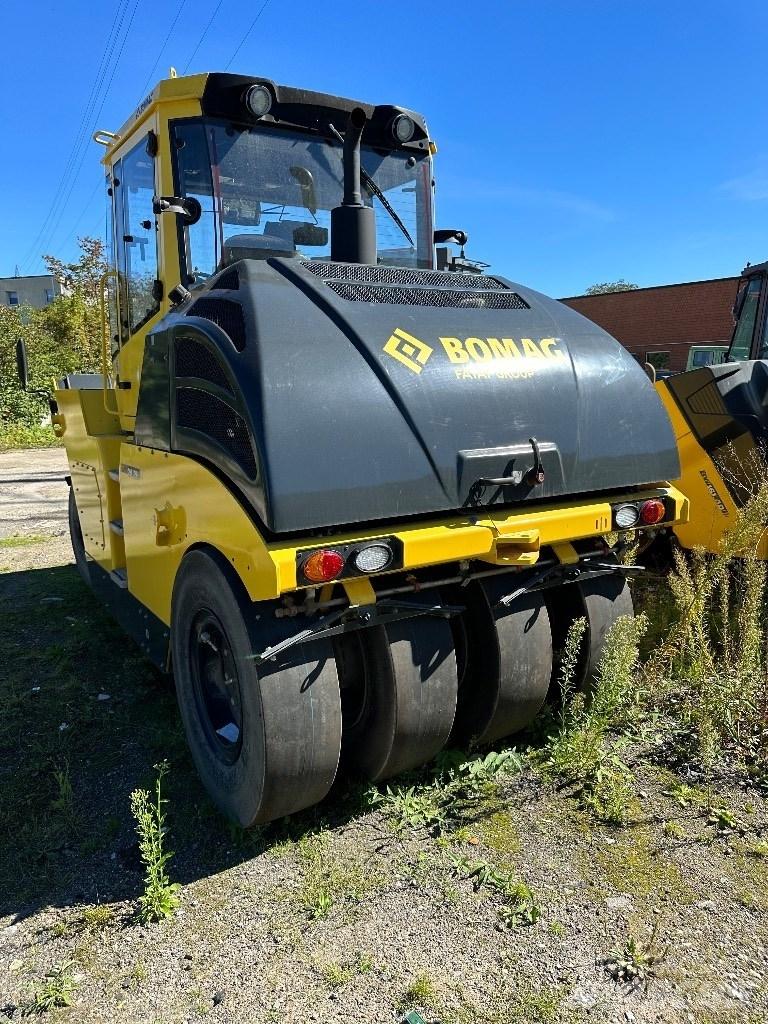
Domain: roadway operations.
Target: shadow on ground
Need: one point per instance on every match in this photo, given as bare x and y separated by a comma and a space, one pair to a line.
83, 719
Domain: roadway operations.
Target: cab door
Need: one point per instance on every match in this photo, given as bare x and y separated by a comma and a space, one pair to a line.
139, 290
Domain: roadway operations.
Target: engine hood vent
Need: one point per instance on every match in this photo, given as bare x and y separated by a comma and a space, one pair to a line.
402, 286
362, 274
410, 296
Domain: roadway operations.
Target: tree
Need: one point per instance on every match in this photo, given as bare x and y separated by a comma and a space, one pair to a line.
65, 337
85, 275
611, 286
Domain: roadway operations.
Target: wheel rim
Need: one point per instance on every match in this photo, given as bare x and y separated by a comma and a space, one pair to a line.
216, 686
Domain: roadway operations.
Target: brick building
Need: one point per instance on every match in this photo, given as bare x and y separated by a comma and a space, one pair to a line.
659, 325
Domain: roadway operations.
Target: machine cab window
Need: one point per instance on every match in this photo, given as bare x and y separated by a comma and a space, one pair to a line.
270, 192
748, 302
135, 238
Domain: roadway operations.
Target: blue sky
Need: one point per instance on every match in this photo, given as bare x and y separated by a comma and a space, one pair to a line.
578, 141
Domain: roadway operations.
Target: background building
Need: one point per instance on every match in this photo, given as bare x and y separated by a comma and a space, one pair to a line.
659, 325
36, 291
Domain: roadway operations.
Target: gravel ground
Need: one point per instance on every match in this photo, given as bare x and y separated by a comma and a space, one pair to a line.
334, 915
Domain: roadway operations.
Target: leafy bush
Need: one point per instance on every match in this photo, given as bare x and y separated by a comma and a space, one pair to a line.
65, 337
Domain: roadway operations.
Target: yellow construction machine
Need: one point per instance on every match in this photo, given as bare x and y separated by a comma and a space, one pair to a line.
720, 417
351, 501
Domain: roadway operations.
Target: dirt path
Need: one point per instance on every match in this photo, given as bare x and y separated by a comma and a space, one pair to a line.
33, 507
361, 909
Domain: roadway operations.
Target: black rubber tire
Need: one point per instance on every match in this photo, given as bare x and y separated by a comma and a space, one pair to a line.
290, 709
404, 713
600, 601
76, 537
605, 599
506, 655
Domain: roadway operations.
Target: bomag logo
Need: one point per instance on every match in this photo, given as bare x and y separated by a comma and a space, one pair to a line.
408, 350
477, 358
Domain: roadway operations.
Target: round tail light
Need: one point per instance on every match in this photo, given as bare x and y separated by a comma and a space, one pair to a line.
374, 558
323, 566
652, 511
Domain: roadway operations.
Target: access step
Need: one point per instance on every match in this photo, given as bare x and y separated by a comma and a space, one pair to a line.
116, 526
120, 577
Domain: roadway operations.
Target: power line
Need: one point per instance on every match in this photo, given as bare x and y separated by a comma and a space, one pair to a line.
84, 151
162, 49
242, 41
202, 37
98, 79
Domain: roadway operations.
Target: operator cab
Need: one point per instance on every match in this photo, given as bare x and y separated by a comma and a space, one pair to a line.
268, 190
218, 168
264, 169
750, 310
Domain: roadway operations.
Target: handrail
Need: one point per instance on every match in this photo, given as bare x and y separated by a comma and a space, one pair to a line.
105, 375
103, 137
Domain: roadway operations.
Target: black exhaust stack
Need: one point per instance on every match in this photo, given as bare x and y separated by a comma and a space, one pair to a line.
353, 225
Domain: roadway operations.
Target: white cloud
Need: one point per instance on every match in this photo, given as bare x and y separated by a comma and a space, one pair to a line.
751, 187
520, 195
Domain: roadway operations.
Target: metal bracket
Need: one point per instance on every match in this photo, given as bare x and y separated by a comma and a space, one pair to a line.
562, 574
361, 617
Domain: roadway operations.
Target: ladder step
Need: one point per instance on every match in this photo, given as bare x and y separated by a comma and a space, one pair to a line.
114, 474
116, 526
120, 577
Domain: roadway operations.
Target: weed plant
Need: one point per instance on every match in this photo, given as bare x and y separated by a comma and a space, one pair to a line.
160, 897
519, 906
462, 789
579, 753
55, 990
715, 659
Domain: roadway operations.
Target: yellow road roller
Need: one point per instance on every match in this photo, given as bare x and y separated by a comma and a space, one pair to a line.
351, 501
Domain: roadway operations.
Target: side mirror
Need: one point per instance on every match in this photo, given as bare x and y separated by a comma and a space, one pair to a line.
22, 364
450, 235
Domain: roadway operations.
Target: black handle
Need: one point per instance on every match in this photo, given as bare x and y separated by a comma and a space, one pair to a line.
533, 476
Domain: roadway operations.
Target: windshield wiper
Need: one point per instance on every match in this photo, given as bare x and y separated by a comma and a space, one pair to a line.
374, 190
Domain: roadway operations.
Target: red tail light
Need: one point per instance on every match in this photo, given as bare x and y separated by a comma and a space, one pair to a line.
652, 511
323, 566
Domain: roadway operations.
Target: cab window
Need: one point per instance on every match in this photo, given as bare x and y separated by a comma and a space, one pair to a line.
745, 328
136, 239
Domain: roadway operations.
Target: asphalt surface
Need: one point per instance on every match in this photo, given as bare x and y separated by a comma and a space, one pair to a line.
33, 493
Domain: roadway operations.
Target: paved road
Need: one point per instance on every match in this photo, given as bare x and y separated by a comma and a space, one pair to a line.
33, 493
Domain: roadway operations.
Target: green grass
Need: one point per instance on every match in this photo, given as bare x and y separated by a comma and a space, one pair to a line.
53, 793
420, 992
331, 878
23, 540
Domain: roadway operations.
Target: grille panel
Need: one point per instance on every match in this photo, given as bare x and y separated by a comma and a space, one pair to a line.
225, 314
195, 360
204, 412
230, 279
404, 296
361, 274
